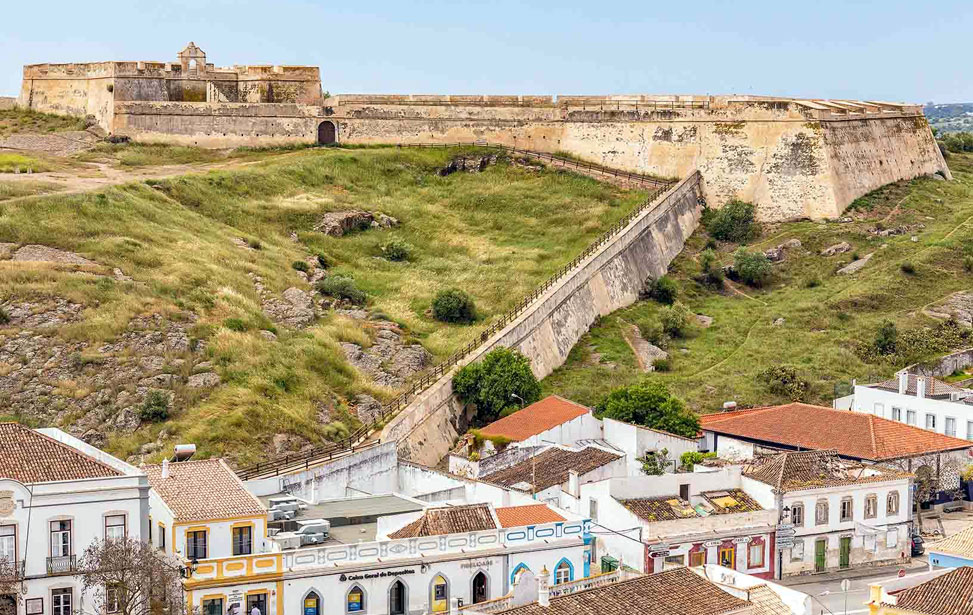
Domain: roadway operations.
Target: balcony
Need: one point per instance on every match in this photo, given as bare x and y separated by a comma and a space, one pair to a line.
11, 571
64, 564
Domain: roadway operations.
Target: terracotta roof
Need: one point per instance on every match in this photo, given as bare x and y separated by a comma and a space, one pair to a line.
960, 543
449, 520
730, 501
551, 467
766, 601
665, 508
853, 434
797, 470
673, 592
203, 490
531, 514
934, 388
28, 456
535, 418
949, 594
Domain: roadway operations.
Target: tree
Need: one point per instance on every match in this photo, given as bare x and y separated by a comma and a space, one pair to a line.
710, 270
754, 268
886, 338
783, 380
736, 221
453, 305
129, 577
663, 290
649, 404
495, 383
654, 463
10, 586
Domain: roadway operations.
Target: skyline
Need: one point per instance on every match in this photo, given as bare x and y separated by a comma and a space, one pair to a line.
545, 48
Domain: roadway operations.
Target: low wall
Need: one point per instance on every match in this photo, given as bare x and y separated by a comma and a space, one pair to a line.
7, 102
945, 366
545, 332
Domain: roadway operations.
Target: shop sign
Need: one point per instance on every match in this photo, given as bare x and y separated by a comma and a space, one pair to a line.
710, 544
742, 541
482, 563
376, 575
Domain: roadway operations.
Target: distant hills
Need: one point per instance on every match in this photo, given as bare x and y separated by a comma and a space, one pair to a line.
950, 117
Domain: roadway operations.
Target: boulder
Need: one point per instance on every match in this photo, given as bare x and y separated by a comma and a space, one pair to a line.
704, 321
838, 248
855, 266
774, 255
778, 322
367, 408
44, 254
791, 244
338, 223
203, 381
270, 336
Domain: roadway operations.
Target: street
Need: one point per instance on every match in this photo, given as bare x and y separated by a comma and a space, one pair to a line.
827, 597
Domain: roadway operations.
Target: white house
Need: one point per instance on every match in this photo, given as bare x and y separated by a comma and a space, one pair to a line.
58, 495
844, 514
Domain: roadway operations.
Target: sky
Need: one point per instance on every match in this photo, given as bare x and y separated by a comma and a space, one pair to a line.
871, 50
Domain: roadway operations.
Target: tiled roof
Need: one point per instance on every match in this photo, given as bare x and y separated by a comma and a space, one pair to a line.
30, 457
449, 520
852, 434
797, 470
673, 592
949, 594
766, 601
551, 467
665, 508
531, 514
934, 388
729, 501
535, 418
203, 490
960, 543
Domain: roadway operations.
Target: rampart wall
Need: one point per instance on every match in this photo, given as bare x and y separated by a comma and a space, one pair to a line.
609, 279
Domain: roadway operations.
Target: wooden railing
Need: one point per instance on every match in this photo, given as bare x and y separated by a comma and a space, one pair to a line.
423, 380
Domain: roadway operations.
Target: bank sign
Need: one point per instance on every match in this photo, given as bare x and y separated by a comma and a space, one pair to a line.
376, 575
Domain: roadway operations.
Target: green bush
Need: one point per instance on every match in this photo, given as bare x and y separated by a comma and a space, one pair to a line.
736, 221
662, 364
783, 380
651, 331
649, 404
396, 250
496, 382
342, 287
754, 268
886, 338
812, 282
323, 261
711, 272
155, 408
235, 324
301, 266
689, 459
663, 290
255, 244
4, 316
908, 268
674, 320
453, 305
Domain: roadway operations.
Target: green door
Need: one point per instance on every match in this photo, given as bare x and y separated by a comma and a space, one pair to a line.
845, 557
820, 554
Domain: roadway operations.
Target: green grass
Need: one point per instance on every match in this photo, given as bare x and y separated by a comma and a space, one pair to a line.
14, 163
136, 155
496, 234
24, 120
823, 324
17, 189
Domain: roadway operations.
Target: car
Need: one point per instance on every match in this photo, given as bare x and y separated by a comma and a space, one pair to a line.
918, 545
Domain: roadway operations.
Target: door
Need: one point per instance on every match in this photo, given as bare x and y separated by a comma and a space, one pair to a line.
397, 599
327, 133
8, 604
820, 555
256, 602
844, 559
479, 588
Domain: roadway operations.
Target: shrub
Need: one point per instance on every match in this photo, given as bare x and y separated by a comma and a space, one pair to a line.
662, 364
155, 408
689, 459
784, 380
323, 260
495, 384
968, 263
651, 331
649, 404
908, 268
886, 337
663, 290
453, 305
301, 266
812, 282
235, 324
710, 270
736, 221
4, 316
396, 250
342, 287
255, 244
753, 267
674, 320
655, 463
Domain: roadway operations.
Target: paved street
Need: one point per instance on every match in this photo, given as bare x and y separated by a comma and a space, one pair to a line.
834, 600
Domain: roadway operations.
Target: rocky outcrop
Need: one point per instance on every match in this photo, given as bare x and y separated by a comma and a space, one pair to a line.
388, 361
838, 248
45, 254
646, 353
855, 266
777, 254
958, 306
339, 223
295, 309
470, 164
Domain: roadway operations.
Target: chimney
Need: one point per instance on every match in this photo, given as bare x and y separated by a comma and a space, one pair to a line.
574, 487
543, 591
903, 382
165, 469
921, 387
453, 606
729, 406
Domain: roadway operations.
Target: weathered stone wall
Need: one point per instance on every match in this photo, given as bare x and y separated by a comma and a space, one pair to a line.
609, 279
7, 102
70, 89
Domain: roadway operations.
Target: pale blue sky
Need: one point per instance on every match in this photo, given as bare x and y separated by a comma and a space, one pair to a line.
884, 50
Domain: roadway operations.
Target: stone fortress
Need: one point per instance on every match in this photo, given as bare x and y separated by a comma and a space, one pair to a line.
794, 158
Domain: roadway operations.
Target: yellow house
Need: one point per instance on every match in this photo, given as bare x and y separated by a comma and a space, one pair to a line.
943, 592
201, 513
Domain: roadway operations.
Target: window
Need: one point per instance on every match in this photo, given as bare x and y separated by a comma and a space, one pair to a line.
756, 555
356, 600
213, 607
847, 509
879, 409
910, 417
896, 414
871, 506
243, 540
593, 509
892, 504
61, 602
114, 527
397, 598
61, 543
821, 513
950, 426
969, 430
162, 538
256, 604
727, 557
697, 558
675, 560
563, 573
196, 547
312, 604
8, 542
797, 550
113, 603
797, 515
931, 422
439, 595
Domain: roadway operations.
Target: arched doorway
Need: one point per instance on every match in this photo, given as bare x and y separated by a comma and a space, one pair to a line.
397, 597
327, 133
312, 604
480, 593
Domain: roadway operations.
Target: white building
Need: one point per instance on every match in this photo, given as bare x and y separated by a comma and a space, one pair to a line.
844, 514
58, 495
919, 401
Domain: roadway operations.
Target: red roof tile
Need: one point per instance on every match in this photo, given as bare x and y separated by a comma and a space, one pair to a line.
949, 594
202, 490
535, 418
531, 514
852, 434
449, 520
30, 457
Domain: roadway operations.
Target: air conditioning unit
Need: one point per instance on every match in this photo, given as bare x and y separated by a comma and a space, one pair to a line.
313, 539
288, 540
308, 527
280, 515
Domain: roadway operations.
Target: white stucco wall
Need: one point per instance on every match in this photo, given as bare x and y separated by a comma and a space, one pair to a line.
882, 403
636, 441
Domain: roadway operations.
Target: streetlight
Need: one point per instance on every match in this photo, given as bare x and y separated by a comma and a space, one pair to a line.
519, 398
823, 606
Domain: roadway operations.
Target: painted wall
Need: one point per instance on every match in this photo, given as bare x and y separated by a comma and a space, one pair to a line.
947, 560
635, 440
884, 403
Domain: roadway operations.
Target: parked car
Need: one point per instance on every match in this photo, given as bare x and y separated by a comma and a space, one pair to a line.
918, 545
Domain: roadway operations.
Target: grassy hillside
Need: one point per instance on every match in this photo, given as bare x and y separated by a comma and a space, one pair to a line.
183, 242
827, 317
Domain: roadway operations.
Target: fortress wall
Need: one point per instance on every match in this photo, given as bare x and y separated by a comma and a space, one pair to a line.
609, 279
70, 89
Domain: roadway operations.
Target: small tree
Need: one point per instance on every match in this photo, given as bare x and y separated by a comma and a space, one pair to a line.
663, 290
649, 404
495, 383
155, 408
886, 338
129, 577
736, 221
710, 270
754, 268
655, 463
784, 380
453, 305
674, 320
